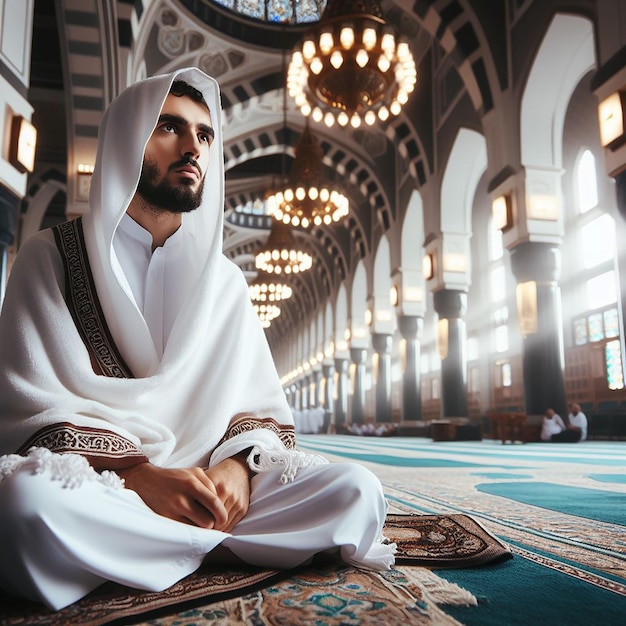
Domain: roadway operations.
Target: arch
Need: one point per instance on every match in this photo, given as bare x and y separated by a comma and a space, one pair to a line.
341, 320
38, 205
564, 57
466, 164
412, 231
358, 301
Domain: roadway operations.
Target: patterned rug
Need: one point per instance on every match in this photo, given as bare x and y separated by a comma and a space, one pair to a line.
325, 592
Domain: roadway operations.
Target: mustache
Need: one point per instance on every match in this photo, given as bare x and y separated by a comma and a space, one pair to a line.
186, 160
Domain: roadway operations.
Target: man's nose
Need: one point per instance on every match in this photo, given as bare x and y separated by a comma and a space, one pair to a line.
190, 144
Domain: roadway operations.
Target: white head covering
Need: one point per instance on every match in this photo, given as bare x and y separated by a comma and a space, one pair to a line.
216, 376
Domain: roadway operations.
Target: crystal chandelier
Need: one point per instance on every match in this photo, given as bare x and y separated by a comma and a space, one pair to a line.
266, 313
266, 288
351, 67
280, 254
307, 200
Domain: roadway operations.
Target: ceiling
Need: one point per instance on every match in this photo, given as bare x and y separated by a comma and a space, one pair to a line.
375, 167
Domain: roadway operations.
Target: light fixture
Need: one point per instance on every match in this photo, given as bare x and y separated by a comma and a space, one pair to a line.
23, 144
502, 212
611, 119
542, 207
267, 288
280, 254
267, 313
428, 266
394, 295
442, 338
526, 296
84, 173
307, 200
351, 67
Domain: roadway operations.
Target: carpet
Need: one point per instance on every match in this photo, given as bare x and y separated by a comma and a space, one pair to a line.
559, 508
325, 592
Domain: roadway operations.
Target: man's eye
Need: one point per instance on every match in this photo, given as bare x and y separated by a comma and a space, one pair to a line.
206, 138
170, 128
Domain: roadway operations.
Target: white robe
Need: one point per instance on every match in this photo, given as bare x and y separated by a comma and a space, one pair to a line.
209, 392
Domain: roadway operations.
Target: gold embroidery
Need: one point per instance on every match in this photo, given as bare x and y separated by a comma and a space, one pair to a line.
93, 442
82, 301
244, 423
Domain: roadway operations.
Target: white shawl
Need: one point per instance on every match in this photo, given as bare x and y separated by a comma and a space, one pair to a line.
214, 392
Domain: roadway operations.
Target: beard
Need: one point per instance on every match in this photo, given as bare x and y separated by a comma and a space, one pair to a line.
162, 195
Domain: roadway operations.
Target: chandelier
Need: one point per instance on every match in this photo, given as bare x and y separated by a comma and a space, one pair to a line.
307, 200
266, 313
351, 67
266, 288
280, 254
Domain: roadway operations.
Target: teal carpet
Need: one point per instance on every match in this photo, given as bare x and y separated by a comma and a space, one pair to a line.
561, 509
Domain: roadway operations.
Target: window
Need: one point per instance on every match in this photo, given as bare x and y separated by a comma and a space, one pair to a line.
587, 183
602, 229
614, 371
472, 349
496, 248
498, 284
601, 290
501, 333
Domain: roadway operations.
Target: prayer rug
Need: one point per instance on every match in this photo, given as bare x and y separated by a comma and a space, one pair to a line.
327, 591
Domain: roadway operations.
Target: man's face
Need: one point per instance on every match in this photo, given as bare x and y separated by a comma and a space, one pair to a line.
177, 156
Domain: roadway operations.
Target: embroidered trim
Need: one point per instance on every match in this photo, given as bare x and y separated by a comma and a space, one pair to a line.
70, 469
246, 423
82, 301
90, 442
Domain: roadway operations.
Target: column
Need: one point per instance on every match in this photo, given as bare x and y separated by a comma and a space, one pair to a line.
620, 188
451, 304
341, 406
410, 327
381, 343
4, 261
543, 353
328, 372
358, 357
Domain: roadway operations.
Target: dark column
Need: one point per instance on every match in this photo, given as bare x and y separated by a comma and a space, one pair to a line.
328, 372
451, 304
620, 187
543, 360
410, 327
341, 406
381, 343
358, 356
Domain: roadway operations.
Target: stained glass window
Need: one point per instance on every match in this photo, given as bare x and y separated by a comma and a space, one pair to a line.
611, 323
580, 331
614, 371
596, 329
280, 11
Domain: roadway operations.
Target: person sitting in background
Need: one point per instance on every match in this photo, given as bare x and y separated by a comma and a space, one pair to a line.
577, 423
552, 425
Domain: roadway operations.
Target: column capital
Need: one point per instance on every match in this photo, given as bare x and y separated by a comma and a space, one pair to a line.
410, 326
381, 342
450, 303
536, 261
358, 355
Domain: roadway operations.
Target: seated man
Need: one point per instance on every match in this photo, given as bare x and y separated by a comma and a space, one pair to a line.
142, 421
552, 425
577, 422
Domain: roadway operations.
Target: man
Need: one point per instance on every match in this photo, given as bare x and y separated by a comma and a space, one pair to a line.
552, 425
142, 421
577, 423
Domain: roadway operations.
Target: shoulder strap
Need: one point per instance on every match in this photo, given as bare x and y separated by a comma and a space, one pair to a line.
82, 301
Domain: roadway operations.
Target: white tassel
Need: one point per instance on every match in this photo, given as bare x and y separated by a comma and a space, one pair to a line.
70, 469
260, 460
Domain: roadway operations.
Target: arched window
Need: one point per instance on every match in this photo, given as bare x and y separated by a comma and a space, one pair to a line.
587, 182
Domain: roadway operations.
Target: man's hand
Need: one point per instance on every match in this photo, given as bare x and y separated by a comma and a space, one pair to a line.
231, 480
215, 498
184, 495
